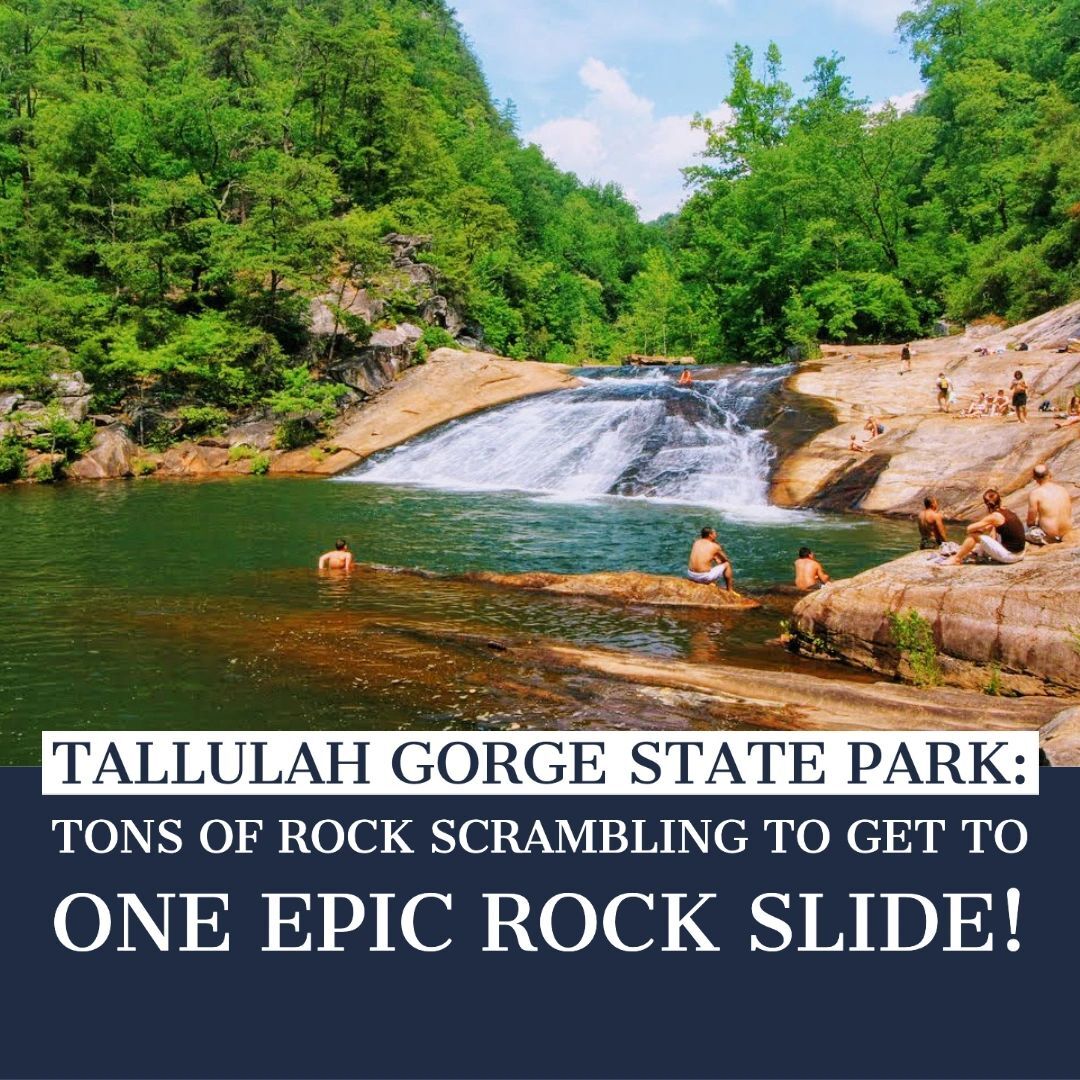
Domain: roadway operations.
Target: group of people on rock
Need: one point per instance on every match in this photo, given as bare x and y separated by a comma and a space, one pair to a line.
986, 402
998, 536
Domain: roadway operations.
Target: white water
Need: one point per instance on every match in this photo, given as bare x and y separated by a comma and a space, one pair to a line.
630, 434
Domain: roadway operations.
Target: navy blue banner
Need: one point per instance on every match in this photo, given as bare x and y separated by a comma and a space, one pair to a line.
467, 1012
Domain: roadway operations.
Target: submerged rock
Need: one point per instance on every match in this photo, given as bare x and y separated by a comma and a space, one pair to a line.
626, 587
1013, 626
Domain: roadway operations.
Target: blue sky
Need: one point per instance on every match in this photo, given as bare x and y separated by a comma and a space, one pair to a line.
608, 87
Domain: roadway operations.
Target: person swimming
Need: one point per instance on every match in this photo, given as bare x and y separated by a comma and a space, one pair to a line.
709, 561
339, 559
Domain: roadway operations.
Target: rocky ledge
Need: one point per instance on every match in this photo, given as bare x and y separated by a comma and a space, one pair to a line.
628, 587
1013, 629
451, 384
923, 451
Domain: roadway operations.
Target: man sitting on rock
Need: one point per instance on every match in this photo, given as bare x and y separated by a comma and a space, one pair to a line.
998, 537
932, 532
1049, 515
709, 561
809, 573
338, 559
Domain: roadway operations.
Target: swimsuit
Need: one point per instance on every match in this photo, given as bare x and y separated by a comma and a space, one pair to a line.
1019, 399
709, 576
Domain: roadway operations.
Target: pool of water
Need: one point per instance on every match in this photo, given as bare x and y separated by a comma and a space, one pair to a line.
184, 605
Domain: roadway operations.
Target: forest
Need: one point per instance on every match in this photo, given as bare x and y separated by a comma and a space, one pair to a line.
179, 178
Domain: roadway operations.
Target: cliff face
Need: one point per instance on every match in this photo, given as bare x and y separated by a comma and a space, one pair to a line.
924, 451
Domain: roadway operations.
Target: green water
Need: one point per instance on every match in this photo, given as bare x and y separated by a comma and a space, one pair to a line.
183, 605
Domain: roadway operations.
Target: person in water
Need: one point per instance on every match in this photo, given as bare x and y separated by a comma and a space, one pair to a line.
999, 536
685, 379
1049, 515
1019, 389
932, 532
709, 562
809, 573
338, 559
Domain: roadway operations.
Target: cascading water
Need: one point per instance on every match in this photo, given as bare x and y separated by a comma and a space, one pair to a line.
627, 433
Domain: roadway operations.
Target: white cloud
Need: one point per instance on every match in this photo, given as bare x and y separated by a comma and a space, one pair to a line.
902, 103
618, 137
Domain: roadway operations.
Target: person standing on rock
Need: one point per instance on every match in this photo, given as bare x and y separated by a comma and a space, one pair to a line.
339, 559
999, 536
944, 392
932, 532
1049, 515
905, 360
809, 573
1019, 390
709, 562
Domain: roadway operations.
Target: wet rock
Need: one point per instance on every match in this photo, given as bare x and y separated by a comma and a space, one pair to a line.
112, 455
1016, 620
624, 587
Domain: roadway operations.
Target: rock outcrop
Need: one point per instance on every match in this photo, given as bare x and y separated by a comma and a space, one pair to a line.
1014, 625
372, 368
628, 587
924, 451
112, 455
449, 385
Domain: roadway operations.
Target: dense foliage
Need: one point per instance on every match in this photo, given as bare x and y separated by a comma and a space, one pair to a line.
179, 177
821, 218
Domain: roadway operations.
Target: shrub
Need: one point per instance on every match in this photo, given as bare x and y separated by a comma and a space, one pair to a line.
241, 452
47, 472
260, 465
914, 637
295, 433
12, 460
202, 419
64, 436
144, 467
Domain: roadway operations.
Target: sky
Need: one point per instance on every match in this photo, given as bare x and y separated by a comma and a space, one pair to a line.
608, 87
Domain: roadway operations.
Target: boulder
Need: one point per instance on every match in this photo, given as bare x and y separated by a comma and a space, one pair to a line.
9, 403
1016, 625
256, 433
189, 459
438, 311
71, 393
112, 455
626, 587
375, 366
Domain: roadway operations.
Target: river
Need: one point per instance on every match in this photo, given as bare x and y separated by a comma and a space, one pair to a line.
188, 605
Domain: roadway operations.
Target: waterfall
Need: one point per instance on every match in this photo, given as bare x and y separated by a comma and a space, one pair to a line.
623, 432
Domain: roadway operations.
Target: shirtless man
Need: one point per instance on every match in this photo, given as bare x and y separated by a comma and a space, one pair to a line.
338, 559
931, 525
709, 561
1049, 516
809, 573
